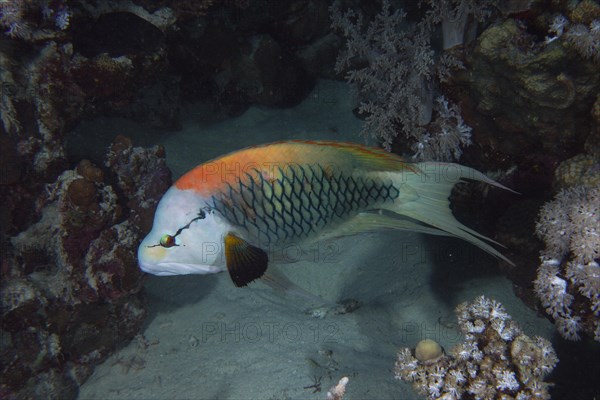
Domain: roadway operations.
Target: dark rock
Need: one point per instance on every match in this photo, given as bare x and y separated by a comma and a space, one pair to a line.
21, 305
522, 97
318, 58
158, 105
268, 75
50, 385
116, 34
10, 163
82, 193
90, 172
301, 22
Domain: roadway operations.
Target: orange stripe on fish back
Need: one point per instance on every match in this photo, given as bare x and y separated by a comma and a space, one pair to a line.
213, 176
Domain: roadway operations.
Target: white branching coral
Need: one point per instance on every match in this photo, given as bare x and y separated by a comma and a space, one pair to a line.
394, 70
34, 20
584, 38
447, 135
568, 279
454, 16
496, 359
506, 380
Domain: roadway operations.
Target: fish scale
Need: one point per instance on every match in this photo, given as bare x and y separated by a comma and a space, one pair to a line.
302, 200
319, 191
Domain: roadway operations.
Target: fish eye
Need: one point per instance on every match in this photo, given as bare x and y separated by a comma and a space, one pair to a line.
167, 240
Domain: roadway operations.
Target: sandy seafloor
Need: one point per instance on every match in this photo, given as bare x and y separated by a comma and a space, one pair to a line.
206, 339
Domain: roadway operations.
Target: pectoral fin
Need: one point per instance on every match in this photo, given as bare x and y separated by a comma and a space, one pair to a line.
245, 262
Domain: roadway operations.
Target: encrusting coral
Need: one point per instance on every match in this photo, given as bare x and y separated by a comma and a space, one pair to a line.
495, 361
583, 169
568, 279
34, 20
581, 30
70, 291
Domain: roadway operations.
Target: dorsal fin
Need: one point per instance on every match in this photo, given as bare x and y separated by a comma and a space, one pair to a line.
216, 174
367, 157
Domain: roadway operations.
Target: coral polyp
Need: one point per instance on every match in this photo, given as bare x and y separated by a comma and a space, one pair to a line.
495, 360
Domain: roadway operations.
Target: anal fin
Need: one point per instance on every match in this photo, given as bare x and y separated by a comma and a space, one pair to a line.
279, 282
371, 222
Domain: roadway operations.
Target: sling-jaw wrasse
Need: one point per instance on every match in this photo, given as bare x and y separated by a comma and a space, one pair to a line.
225, 214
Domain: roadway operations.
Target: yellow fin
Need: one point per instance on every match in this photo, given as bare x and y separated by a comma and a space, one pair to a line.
279, 282
424, 197
365, 157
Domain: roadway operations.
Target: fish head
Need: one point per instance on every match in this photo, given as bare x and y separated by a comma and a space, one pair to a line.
186, 237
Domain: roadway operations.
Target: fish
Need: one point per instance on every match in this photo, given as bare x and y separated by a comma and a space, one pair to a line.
228, 213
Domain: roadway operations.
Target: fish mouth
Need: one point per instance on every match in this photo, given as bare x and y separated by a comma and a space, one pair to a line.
151, 268
174, 268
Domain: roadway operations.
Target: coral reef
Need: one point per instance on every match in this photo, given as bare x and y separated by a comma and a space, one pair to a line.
64, 74
592, 143
454, 16
116, 61
71, 286
69, 228
43, 96
526, 85
162, 18
141, 175
584, 12
393, 95
246, 53
396, 74
531, 96
568, 279
533, 103
581, 32
449, 134
34, 20
266, 75
495, 361
581, 170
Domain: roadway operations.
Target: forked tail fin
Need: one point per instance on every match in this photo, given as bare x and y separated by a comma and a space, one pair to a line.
424, 194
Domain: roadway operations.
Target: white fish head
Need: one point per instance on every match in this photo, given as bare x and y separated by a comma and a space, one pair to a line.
186, 237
